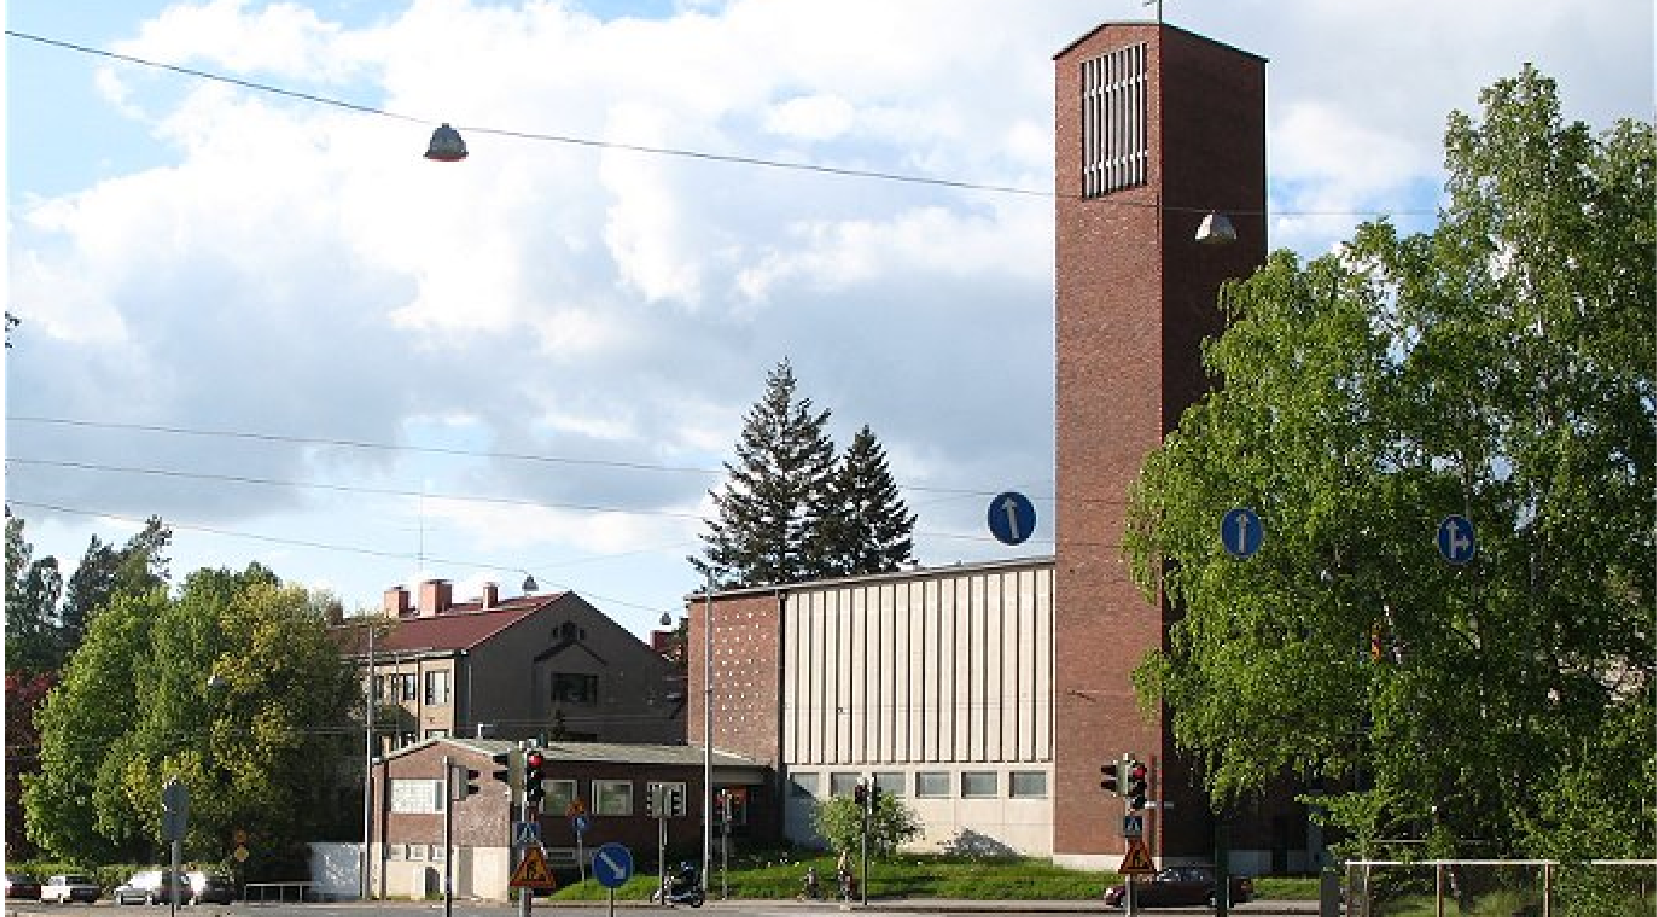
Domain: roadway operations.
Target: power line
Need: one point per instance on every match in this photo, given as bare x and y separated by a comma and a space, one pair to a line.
345, 549
683, 152
287, 439
387, 491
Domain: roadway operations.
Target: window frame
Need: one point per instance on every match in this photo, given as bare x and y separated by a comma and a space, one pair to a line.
608, 791
923, 791
969, 778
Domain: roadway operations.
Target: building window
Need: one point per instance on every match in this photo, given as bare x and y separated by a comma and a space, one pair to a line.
417, 851
893, 782
437, 733
394, 852
803, 786
1115, 135
932, 784
437, 687
560, 796
406, 685
574, 688
1028, 784
416, 797
378, 689
842, 783
978, 785
612, 797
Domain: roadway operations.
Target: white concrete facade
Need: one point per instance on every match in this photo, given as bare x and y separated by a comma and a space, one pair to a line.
940, 686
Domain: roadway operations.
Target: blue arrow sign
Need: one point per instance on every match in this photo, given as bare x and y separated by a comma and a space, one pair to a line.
1455, 540
612, 865
1241, 532
1011, 517
578, 824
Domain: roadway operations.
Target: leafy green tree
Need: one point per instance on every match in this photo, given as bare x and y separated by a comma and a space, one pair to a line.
839, 820
235, 689
24, 694
32, 591
774, 497
105, 570
1499, 367
866, 527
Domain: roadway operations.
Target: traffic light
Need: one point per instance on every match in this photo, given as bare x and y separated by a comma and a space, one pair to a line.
651, 790
722, 807
860, 794
466, 782
1137, 789
510, 771
534, 773
1112, 783
874, 799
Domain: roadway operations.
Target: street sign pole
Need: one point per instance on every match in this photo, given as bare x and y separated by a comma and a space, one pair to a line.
448, 838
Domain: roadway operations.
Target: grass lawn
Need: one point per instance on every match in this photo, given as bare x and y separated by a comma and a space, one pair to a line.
780, 876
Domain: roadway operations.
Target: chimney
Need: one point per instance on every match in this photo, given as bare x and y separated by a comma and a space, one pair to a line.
395, 603
436, 595
491, 595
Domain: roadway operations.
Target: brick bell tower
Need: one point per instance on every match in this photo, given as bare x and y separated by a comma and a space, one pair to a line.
1155, 127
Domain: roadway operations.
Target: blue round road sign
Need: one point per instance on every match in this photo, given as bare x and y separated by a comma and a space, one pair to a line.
1241, 532
612, 865
1455, 540
1011, 517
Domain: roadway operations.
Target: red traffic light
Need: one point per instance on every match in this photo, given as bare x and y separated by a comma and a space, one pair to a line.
534, 759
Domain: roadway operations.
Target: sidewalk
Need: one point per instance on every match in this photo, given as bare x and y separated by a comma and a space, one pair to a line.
960, 906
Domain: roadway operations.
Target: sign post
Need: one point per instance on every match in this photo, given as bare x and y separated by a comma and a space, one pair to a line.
175, 817
612, 867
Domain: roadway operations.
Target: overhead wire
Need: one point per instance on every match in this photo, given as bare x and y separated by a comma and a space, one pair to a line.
681, 152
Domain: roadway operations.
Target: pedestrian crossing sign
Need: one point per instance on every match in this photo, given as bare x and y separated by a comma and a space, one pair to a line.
1138, 860
532, 871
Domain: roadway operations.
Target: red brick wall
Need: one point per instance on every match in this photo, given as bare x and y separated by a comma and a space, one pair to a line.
747, 660
1135, 294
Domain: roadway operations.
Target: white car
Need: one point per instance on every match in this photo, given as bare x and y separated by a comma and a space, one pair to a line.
71, 886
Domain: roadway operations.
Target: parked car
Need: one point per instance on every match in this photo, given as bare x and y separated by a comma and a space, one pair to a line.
151, 886
21, 887
1179, 885
210, 887
70, 886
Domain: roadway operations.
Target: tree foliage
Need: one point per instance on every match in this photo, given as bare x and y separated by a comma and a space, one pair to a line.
790, 511
33, 586
232, 687
868, 528
839, 820
1499, 367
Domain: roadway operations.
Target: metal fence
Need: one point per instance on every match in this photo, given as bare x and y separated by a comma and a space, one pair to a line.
1501, 888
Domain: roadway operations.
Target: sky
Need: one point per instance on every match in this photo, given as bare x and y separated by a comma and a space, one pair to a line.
267, 319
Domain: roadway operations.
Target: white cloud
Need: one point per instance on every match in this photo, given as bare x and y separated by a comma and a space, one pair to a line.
299, 269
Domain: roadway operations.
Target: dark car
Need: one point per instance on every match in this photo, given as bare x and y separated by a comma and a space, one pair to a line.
1179, 885
212, 887
20, 887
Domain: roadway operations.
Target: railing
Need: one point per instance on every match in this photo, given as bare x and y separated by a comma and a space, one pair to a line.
302, 891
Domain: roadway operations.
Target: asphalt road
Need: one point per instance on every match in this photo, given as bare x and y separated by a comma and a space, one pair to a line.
733, 908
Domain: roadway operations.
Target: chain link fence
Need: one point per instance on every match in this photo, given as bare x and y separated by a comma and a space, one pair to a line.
1501, 888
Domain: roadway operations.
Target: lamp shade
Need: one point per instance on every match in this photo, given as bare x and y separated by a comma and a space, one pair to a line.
446, 145
1216, 229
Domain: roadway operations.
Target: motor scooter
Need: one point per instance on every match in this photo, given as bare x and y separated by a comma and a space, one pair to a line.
682, 886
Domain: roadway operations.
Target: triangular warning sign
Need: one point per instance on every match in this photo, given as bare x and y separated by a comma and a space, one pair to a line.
532, 872
1138, 860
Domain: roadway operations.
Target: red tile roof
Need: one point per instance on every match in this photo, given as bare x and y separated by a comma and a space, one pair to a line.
463, 626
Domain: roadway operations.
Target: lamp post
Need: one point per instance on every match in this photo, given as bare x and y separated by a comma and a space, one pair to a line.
365, 861
707, 730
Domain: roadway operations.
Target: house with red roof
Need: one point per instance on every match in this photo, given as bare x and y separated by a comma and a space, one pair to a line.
547, 667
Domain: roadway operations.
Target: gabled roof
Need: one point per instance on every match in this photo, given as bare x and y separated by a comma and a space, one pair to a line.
464, 626
592, 751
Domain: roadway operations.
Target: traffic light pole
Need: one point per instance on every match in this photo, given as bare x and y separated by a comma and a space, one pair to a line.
448, 837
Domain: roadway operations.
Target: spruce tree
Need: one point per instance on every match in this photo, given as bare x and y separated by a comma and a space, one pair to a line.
768, 507
865, 527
